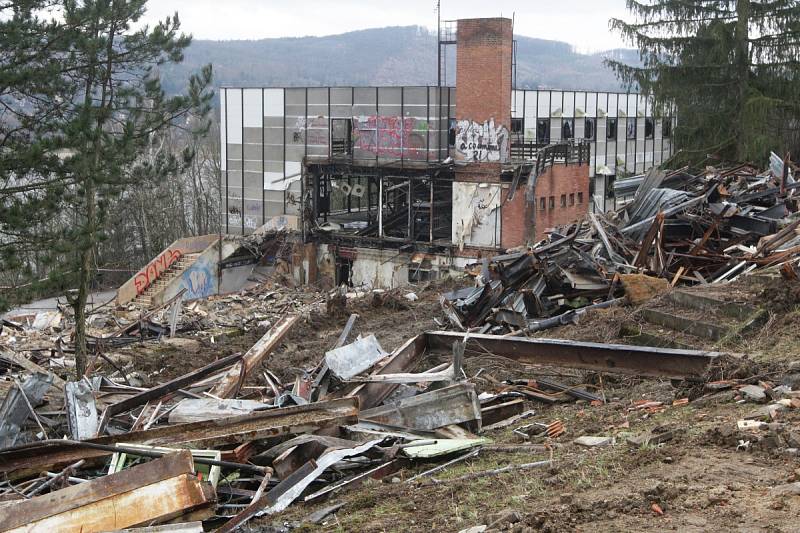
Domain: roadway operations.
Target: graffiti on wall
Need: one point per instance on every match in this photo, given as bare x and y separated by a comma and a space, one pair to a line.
198, 280
155, 268
484, 142
391, 136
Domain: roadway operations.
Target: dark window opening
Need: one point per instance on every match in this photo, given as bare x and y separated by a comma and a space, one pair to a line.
580, 198
611, 128
451, 133
571, 198
563, 200
542, 202
552, 202
630, 132
543, 131
342, 136
666, 128
421, 271
517, 127
649, 128
589, 130
568, 128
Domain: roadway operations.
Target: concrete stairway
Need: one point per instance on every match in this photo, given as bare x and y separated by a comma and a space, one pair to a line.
689, 319
145, 299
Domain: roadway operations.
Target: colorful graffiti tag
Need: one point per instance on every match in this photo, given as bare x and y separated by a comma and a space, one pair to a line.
199, 280
478, 142
391, 136
155, 268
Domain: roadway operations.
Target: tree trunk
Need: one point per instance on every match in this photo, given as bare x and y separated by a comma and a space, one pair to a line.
84, 281
742, 65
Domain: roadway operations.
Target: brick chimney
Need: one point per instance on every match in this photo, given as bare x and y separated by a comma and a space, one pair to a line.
483, 93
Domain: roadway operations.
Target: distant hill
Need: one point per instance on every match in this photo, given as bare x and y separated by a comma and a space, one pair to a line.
382, 56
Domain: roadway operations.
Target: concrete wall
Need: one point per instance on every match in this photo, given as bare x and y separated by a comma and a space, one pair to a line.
200, 279
150, 272
476, 214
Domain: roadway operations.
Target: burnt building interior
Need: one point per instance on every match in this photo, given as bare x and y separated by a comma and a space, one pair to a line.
397, 204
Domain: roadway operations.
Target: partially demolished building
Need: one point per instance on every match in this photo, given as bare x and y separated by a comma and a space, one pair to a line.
397, 184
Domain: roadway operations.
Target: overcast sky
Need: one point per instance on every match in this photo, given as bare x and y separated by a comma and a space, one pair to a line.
583, 23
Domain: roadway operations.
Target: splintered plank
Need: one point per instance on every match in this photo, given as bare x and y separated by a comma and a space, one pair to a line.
232, 380
155, 491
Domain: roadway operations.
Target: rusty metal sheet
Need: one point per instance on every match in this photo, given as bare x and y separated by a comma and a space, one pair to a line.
616, 358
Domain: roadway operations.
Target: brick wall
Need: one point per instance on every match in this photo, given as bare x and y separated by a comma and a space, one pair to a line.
483, 70
515, 217
565, 192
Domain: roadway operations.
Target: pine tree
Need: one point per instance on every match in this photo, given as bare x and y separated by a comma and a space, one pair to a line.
730, 68
111, 105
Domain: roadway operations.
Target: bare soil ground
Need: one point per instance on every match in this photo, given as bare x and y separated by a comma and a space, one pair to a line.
697, 481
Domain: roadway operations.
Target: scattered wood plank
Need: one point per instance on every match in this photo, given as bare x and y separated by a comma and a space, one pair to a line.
160, 391
307, 418
156, 491
228, 386
30, 366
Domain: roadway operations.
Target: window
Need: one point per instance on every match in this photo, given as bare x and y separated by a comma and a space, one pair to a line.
516, 125
611, 128
589, 130
552, 202
666, 128
563, 200
580, 198
543, 131
542, 202
568, 129
341, 136
451, 133
630, 131
649, 128
571, 198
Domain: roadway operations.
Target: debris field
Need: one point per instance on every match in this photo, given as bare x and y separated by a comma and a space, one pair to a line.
637, 370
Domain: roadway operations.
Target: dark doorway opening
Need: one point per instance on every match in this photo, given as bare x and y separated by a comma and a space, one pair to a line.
344, 268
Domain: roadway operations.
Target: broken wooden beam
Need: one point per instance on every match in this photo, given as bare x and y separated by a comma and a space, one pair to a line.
145, 494
616, 358
160, 391
206, 434
229, 384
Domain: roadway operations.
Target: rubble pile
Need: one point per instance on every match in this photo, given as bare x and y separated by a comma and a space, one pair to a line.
688, 228
228, 440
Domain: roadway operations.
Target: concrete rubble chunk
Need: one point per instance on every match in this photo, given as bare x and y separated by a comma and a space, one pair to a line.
754, 393
474, 529
591, 441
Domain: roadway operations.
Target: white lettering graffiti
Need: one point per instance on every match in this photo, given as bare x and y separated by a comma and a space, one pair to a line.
478, 142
